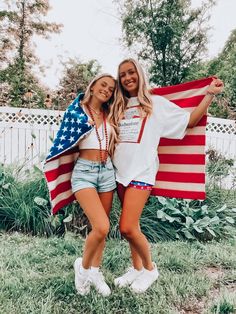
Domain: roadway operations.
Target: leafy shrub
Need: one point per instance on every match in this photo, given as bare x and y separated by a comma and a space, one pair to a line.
23, 203
191, 221
218, 168
25, 207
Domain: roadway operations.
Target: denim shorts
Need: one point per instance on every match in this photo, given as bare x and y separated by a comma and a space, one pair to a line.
92, 174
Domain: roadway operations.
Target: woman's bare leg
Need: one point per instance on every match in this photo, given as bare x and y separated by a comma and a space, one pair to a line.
91, 204
133, 204
136, 259
106, 200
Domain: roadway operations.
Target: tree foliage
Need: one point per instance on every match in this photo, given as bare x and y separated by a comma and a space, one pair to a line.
223, 66
14, 91
168, 35
76, 76
18, 23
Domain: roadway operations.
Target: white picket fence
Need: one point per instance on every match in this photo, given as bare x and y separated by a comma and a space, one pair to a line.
26, 135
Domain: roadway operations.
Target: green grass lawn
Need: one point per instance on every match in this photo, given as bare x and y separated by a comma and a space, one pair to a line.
37, 277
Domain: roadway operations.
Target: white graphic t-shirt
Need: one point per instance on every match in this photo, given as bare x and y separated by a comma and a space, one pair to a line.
135, 156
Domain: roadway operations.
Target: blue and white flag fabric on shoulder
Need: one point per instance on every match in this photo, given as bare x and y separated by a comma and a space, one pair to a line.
74, 125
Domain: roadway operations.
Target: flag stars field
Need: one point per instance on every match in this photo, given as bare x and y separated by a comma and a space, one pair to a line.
60, 146
62, 138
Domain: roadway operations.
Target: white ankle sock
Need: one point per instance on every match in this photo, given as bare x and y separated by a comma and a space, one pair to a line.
94, 269
84, 270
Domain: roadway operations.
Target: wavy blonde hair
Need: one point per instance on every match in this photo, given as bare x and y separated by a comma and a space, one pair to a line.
105, 107
88, 93
121, 96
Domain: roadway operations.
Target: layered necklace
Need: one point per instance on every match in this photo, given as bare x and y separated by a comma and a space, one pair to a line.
91, 110
97, 113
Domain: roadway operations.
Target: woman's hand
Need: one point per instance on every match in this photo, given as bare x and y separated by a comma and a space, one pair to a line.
216, 87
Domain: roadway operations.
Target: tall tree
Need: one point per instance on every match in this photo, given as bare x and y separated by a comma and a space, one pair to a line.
76, 76
224, 66
168, 34
19, 22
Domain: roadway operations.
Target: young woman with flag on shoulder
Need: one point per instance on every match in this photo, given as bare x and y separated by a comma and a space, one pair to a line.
143, 119
88, 176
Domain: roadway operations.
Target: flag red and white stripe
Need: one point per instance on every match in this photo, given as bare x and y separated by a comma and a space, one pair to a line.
182, 162
58, 175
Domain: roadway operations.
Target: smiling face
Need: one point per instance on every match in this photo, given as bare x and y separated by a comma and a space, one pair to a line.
103, 89
129, 78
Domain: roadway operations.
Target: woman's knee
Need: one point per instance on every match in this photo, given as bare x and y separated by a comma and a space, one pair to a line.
101, 231
127, 231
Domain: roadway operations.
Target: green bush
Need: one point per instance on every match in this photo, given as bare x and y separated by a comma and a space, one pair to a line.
23, 203
218, 168
25, 207
194, 220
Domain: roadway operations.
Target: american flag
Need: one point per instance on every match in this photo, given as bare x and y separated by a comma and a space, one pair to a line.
182, 162
59, 163
181, 172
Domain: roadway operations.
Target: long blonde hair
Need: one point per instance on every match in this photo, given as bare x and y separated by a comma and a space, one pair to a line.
105, 107
120, 102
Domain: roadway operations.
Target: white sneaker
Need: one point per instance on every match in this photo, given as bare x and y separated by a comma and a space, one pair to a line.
82, 282
97, 280
145, 280
126, 279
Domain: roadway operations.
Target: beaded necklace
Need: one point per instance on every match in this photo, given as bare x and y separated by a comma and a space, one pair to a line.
103, 161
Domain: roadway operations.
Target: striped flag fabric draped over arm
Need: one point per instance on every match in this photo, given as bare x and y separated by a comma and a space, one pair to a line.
181, 172
63, 154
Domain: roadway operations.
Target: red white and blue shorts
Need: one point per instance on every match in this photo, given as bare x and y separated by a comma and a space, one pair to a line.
140, 185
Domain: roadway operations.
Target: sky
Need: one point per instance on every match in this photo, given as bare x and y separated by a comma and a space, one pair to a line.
92, 30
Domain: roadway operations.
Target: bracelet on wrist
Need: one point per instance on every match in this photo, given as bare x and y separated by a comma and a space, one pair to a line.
210, 93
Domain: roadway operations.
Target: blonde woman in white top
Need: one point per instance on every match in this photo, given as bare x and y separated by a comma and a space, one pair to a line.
142, 120
93, 182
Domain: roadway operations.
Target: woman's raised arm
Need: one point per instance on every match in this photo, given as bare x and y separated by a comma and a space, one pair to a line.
216, 87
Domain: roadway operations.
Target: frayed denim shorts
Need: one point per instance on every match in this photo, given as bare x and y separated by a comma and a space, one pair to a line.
92, 174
